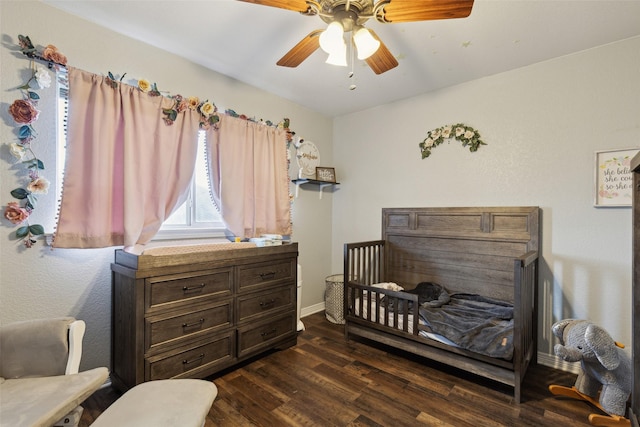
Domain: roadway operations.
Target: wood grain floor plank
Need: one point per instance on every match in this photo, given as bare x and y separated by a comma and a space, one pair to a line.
295, 417
255, 392
384, 411
350, 380
330, 387
432, 421
445, 409
326, 353
223, 414
363, 421
250, 409
327, 404
258, 376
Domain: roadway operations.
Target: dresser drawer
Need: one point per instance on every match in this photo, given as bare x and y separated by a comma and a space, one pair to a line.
253, 338
192, 361
175, 327
186, 289
255, 305
255, 276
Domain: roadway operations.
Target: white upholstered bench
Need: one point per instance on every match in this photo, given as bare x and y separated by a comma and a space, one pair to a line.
161, 403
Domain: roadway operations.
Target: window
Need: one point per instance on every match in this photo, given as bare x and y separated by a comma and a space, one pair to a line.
196, 218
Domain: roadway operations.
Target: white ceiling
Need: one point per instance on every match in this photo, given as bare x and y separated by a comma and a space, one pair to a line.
245, 41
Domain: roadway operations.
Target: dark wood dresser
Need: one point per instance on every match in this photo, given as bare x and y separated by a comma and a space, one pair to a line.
189, 312
634, 410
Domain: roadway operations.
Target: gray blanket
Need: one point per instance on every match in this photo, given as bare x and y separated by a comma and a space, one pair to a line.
473, 322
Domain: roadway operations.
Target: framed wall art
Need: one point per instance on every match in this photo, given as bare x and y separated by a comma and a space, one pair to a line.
325, 174
613, 179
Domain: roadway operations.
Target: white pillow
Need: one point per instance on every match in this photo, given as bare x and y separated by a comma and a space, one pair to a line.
389, 286
384, 285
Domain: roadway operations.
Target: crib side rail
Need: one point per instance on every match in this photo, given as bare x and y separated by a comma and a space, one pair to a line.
381, 309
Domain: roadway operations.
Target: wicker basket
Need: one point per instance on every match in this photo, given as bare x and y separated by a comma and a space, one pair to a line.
334, 299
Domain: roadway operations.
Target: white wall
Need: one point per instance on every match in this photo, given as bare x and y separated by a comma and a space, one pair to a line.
39, 282
542, 124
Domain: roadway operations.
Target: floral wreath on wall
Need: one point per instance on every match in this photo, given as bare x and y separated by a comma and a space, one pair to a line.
463, 133
24, 113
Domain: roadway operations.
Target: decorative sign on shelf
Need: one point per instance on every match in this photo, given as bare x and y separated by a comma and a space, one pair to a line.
325, 174
308, 157
613, 179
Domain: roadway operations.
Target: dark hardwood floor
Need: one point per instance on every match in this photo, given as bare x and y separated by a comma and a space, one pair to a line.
326, 381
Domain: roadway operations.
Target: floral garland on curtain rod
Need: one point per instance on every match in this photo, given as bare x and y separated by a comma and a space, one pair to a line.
463, 133
207, 110
25, 114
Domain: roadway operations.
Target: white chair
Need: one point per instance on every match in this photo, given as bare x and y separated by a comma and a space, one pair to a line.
39, 380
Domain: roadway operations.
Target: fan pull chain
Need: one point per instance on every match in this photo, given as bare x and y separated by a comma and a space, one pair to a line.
352, 86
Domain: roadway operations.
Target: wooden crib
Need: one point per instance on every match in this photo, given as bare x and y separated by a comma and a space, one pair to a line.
492, 252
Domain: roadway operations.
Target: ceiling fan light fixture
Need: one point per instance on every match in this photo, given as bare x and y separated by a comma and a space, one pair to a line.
338, 56
366, 44
332, 38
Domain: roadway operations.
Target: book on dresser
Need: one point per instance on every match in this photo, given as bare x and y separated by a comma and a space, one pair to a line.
191, 311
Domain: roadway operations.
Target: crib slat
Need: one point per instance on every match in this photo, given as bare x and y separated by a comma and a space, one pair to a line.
395, 313
386, 311
405, 317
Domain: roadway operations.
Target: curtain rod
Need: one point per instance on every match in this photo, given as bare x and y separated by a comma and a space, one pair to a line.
49, 62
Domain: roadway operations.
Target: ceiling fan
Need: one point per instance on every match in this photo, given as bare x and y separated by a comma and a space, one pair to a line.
344, 16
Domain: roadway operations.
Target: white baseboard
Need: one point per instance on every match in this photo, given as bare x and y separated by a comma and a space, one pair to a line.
316, 308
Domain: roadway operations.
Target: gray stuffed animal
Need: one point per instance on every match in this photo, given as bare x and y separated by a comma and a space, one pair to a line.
604, 363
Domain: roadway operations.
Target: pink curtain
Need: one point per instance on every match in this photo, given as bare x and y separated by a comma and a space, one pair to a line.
126, 170
249, 178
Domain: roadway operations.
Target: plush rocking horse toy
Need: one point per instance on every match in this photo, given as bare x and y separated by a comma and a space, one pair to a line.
606, 368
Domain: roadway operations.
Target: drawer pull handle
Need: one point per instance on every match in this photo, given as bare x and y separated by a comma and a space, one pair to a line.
189, 325
268, 276
267, 333
192, 288
195, 359
267, 304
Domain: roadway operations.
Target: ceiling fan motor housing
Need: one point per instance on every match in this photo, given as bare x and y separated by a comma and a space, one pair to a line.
350, 13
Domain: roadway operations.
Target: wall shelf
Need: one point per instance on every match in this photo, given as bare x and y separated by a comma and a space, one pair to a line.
321, 184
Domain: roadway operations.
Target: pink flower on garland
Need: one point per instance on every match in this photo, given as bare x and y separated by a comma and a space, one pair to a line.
23, 112
51, 53
15, 213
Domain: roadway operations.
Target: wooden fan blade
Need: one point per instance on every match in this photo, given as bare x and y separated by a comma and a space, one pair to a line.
302, 50
424, 10
382, 60
297, 5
